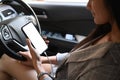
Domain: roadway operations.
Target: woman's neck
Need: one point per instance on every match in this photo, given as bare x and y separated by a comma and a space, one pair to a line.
114, 35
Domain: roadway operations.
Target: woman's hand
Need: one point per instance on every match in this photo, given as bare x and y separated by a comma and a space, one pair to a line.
46, 40
28, 56
36, 60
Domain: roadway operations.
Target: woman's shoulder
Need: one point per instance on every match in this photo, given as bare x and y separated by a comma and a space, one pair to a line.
114, 52
91, 52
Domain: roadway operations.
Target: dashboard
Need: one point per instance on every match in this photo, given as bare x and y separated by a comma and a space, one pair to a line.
7, 12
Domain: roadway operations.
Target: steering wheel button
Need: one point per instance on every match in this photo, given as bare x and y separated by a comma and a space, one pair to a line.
6, 33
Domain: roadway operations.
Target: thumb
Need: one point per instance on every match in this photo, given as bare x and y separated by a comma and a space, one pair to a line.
25, 54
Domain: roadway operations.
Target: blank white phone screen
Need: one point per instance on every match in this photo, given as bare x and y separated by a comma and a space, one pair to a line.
35, 38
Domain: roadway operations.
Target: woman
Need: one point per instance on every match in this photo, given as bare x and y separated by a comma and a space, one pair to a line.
98, 56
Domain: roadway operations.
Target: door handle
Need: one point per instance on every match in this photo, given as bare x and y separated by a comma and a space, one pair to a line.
43, 15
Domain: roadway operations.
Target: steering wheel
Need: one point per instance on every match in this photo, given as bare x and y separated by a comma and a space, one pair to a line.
12, 38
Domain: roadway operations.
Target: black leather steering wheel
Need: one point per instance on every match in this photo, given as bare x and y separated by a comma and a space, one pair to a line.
12, 38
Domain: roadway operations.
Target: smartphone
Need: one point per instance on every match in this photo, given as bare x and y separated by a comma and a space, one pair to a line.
37, 41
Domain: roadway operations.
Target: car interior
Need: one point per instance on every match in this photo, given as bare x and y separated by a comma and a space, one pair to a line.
64, 24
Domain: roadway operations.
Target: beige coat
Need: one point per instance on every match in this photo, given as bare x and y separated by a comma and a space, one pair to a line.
98, 62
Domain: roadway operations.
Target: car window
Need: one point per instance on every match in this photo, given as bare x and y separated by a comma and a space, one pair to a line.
60, 0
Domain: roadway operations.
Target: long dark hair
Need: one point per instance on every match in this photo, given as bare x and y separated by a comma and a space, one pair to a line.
98, 31
114, 8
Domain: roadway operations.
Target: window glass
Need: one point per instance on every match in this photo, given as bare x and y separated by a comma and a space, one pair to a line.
60, 0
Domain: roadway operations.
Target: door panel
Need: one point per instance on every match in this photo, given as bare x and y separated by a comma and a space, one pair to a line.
62, 19
71, 18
